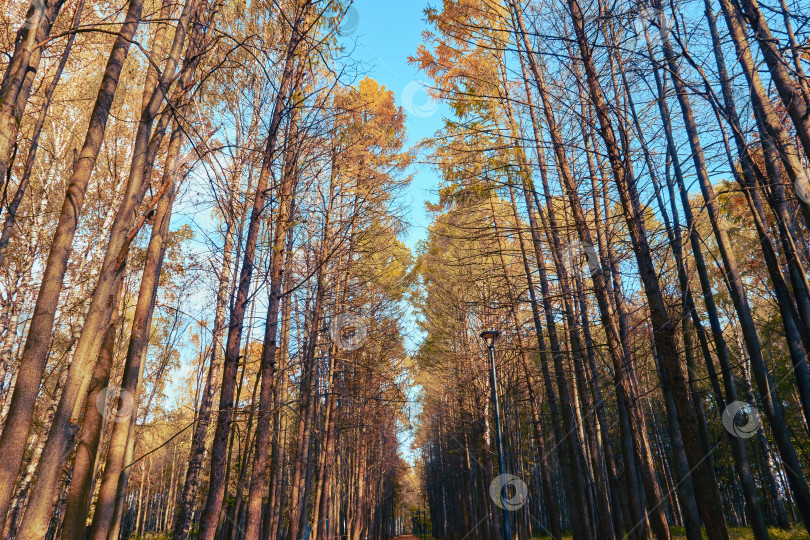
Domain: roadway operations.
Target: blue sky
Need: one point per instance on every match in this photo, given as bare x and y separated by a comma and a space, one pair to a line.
384, 34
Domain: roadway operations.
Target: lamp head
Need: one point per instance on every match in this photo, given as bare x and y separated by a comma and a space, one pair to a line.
489, 337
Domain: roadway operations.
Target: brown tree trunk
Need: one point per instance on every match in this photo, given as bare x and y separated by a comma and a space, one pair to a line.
81, 483
309, 384
635, 417
187, 496
123, 232
138, 342
774, 128
663, 328
271, 525
258, 483
548, 486
721, 349
22, 186
789, 90
732, 273
327, 455
216, 488
35, 352
575, 337
19, 77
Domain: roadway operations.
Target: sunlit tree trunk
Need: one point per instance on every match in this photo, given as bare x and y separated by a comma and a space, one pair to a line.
123, 232
138, 342
19, 77
258, 483
81, 484
272, 522
187, 495
35, 352
216, 488
14, 204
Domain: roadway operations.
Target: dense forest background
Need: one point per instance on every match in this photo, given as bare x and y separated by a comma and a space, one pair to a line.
212, 325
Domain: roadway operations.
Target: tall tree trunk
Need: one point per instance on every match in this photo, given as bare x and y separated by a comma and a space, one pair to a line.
790, 91
22, 186
721, 349
663, 328
138, 343
774, 128
548, 485
271, 525
18, 79
309, 385
216, 488
187, 496
635, 417
258, 483
35, 352
123, 232
730, 266
326, 454
575, 336
81, 483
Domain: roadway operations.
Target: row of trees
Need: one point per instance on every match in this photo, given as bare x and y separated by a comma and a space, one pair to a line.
201, 274
625, 198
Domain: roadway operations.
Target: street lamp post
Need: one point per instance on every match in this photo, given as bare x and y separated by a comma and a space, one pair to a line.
489, 337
